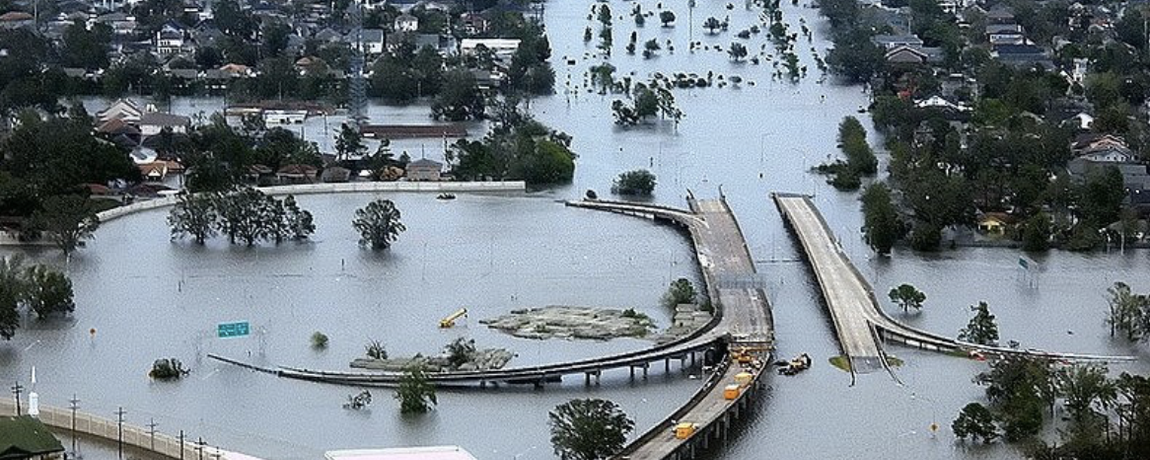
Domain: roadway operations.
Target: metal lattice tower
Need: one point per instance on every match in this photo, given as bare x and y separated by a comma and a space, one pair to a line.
357, 86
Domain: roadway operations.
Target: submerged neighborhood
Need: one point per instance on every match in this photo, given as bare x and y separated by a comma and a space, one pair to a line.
626, 229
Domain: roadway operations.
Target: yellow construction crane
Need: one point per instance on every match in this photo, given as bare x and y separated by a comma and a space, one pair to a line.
449, 321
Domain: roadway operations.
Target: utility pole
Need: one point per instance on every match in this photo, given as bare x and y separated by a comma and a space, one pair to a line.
16, 390
181, 444
74, 404
120, 431
152, 432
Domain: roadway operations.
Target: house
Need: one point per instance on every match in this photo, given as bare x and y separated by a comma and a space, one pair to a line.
1000, 14
15, 20
1005, 34
1081, 121
27, 438
169, 39
236, 71
153, 123
373, 41
424, 170
1094, 152
297, 174
473, 23
122, 24
406, 23
906, 54
502, 48
889, 42
155, 171
1028, 56
996, 223
335, 174
123, 109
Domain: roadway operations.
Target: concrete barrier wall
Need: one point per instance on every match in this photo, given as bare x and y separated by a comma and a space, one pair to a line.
345, 187
107, 429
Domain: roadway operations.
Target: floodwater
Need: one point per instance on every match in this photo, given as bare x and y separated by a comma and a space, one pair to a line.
149, 298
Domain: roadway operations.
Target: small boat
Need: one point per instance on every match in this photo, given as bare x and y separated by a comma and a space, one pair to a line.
794, 366
445, 196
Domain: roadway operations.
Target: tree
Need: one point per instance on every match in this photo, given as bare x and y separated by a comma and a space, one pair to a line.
906, 296
738, 51
378, 224
349, 142
194, 215
588, 429
319, 340
1102, 196
880, 219
666, 17
982, 329
299, 222
639, 182
48, 292
68, 220
459, 99
1018, 388
681, 291
167, 369
1036, 233
86, 48
711, 24
1128, 312
241, 215
459, 352
13, 291
856, 57
976, 423
415, 394
1086, 391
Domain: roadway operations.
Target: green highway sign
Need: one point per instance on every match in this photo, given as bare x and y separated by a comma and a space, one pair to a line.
1023, 263
234, 329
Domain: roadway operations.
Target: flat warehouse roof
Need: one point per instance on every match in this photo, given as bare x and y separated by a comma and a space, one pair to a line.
402, 453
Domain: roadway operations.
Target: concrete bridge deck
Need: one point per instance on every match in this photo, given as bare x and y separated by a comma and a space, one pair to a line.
859, 319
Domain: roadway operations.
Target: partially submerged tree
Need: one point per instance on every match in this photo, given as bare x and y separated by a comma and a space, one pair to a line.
907, 297
415, 394
378, 224
375, 350
48, 292
681, 291
588, 429
975, 422
68, 220
639, 182
193, 215
982, 329
167, 369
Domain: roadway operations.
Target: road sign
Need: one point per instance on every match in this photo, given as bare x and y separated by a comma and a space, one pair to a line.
234, 329
1022, 262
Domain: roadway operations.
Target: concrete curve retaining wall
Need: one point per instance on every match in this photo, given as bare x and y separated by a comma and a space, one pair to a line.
138, 437
344, 187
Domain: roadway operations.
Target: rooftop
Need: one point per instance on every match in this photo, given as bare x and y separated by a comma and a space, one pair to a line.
26, 436
402, 453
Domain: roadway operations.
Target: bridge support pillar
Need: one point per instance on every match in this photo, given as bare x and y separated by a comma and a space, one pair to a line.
692, 359
682, 363
667, 365
632, 372
645, 366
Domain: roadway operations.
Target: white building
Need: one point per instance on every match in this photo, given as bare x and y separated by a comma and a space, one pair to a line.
503, 48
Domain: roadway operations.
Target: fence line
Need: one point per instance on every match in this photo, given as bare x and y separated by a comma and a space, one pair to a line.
141, 438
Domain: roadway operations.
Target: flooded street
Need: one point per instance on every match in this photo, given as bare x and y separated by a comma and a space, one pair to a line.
148, 298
